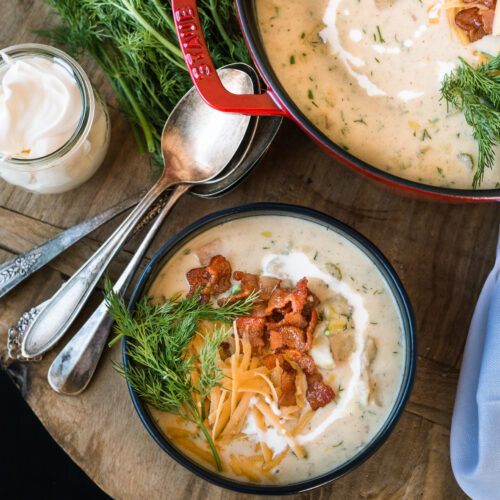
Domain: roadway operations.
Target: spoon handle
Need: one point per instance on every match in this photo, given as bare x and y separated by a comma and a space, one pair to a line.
74, 366
53, 321
19, 268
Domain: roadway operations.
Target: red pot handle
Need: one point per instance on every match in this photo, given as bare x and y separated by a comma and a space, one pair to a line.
203, 72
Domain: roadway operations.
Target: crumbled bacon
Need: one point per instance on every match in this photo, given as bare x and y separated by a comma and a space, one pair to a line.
252, 329
477, 22
259, 310
287, 337
305, 361
212, 279
220, 276
279, 300
290, 319
282, 318
284, 297
310, 329
287, 397
249, 283
198, 278
318, 393
267, 285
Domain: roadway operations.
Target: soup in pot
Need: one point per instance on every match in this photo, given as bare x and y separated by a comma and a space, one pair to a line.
368, 74
313, 372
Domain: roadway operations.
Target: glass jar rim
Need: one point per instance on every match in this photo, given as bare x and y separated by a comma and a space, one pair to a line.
88, 104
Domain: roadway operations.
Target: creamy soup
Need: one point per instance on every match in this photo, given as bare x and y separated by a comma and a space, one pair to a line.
368, 74
357, 347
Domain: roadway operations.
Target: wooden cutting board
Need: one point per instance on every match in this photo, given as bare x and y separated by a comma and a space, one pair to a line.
442, 252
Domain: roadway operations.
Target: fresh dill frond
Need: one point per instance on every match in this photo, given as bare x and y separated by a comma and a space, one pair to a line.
157, 336
476, 92
135, 44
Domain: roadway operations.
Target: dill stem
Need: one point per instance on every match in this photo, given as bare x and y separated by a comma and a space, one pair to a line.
220, 27
138, 138
210, 443
133, 103
173, 60
164, 15
132, 11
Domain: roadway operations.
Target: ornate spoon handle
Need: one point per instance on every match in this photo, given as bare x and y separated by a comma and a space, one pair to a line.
56, 317
17, 332
19, 268
74, 366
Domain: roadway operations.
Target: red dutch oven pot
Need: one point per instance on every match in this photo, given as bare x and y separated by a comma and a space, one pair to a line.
276, 101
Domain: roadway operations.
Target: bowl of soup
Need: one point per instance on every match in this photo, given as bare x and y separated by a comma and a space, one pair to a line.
313, 377
363, 79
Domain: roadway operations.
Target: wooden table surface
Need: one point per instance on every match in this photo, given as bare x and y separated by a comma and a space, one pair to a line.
442, 253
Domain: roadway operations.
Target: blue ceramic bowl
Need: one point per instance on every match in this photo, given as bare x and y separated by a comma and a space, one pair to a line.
394, 284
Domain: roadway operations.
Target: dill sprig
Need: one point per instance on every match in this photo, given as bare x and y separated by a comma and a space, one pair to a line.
476, 92
135, 44
159, 370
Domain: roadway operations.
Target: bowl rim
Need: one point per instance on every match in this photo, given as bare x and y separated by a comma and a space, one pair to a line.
246, 15
406, 311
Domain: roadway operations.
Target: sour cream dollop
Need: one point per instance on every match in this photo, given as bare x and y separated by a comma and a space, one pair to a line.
40, 107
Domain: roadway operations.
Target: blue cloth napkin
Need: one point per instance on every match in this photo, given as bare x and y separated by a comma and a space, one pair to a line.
475, 429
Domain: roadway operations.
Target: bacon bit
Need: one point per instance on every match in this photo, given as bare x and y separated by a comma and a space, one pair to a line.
275, 340
305, 361
476, 22
220, 275
310, 329
283, 297
318, 393
488, 18
288, 337
214, 278
252, 329
271, 359
295, 319
299, 295
267, 285
311, 303
249, 283
288, 388
278, 301
259, 311
289, 319
198, 278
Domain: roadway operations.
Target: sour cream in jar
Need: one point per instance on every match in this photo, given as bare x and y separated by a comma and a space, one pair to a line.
54, 128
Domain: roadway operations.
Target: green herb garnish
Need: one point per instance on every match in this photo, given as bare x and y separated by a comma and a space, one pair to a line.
476, 92
159, 371
380, 37
426, 135
135, 44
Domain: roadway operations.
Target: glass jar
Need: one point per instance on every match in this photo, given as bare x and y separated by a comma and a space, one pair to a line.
78, 159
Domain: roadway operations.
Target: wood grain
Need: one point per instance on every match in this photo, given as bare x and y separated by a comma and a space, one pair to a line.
442, 252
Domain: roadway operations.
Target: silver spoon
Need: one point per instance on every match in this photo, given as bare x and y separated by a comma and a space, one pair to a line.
73, 368
197, 143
